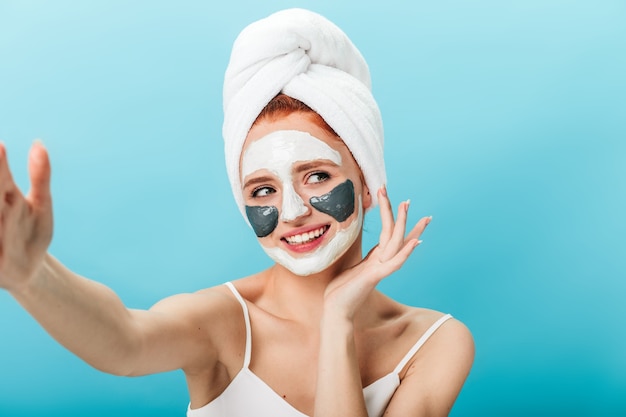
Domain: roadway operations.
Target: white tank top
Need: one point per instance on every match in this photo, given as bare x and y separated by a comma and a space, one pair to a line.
247, 395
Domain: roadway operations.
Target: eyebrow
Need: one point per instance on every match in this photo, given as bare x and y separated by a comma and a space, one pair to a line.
313, 164
257, 180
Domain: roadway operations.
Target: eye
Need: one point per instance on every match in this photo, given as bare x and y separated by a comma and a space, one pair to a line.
263, 191
317, 177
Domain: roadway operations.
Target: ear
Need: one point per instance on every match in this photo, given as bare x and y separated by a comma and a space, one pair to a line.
367, 198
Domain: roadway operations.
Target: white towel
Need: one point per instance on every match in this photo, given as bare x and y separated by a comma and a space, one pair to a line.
305, 56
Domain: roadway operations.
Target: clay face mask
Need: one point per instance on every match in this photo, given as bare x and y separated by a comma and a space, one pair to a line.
325, 255
276, 153
339, 202
263, 219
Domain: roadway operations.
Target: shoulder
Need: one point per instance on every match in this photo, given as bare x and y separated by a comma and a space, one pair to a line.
219, 303
445, 328
434, 376
451, 344
438, 329
211, 316
445, 339
215, 300
435, 327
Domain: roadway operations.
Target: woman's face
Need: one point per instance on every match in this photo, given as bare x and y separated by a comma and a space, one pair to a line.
303, 192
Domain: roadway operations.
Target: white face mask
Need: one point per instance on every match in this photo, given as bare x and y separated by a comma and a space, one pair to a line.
277, 153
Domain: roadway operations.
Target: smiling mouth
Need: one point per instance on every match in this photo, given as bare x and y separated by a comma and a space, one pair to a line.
308, 237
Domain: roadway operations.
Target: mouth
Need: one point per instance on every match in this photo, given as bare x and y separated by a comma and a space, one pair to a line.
306, 237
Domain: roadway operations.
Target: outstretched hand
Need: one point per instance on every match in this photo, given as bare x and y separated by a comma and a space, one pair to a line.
348, 291
25, 221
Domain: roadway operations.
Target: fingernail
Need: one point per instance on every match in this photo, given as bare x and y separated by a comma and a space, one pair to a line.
38, 157
419, 242
383, 190
408, 203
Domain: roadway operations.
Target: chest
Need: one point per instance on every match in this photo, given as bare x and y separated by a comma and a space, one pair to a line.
286, 357
282, 359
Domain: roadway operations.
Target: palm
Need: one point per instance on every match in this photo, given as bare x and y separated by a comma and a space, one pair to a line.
26, 221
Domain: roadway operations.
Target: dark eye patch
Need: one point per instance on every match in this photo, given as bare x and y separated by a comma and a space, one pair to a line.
263, 219
338, 202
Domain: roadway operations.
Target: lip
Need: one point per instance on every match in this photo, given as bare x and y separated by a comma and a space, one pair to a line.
305, 247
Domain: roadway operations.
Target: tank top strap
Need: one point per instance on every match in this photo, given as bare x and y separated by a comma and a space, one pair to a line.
246, 317
421, 342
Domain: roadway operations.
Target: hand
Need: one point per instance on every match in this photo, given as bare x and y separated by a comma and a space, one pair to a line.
348, 291
25, 221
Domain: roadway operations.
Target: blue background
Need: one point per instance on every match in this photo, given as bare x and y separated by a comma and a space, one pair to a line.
504, 120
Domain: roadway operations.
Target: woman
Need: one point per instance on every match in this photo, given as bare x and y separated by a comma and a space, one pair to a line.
309, 336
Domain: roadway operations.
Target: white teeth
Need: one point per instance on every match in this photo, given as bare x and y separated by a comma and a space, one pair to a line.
305, 237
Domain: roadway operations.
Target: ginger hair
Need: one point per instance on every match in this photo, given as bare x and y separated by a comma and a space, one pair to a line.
283, 105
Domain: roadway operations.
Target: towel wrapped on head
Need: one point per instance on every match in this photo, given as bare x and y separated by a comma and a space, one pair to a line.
305, 56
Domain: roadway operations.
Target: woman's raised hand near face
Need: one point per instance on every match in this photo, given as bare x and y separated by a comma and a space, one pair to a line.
25, 221
348, 291
338, 371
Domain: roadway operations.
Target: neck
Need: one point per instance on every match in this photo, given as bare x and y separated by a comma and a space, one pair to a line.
301, 298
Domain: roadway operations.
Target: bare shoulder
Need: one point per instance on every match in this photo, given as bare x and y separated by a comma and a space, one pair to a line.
212, 317
446, 329
445, 338
215, 301
435, 327
433, 378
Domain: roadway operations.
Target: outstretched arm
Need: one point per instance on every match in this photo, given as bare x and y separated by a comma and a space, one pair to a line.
86, 317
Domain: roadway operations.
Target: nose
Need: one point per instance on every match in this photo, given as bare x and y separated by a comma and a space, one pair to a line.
293, 206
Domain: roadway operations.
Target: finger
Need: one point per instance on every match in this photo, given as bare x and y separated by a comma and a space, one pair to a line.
386, 216
397, 238
404, 253
8, 189
396, 262
6, 179
39, 172
419, 228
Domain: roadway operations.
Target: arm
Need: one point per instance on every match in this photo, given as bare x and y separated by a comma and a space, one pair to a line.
85, 316
339, 391
91, 321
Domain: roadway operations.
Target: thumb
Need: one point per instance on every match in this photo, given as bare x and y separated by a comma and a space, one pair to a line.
39, 173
